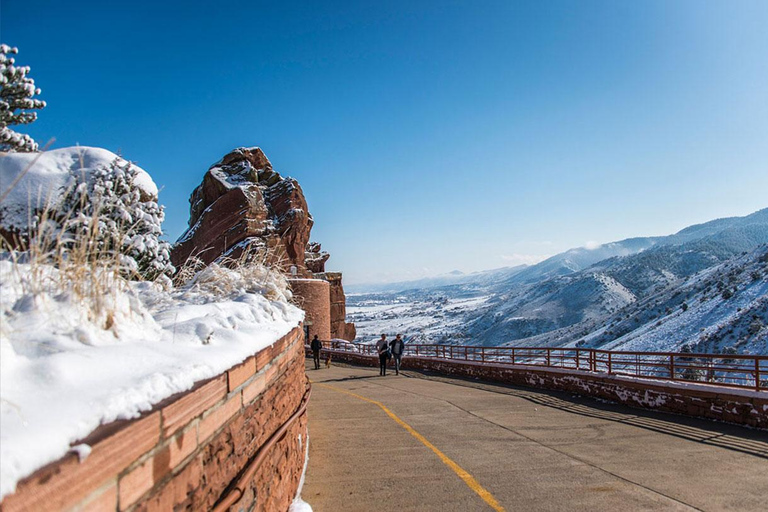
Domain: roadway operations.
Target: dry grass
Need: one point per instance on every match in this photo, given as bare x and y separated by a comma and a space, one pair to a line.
248, 273
57, 262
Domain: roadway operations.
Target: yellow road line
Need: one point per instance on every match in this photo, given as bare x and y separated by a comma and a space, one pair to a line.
464, 475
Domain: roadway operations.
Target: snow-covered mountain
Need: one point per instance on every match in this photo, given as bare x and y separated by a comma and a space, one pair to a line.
482, 278
610, 296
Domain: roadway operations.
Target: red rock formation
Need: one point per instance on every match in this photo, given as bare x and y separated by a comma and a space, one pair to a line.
315, 258
243, 204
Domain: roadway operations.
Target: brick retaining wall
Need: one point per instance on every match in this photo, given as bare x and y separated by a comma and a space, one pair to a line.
184, 453
705, 401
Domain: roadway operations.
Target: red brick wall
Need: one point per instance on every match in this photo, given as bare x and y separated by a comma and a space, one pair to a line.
340, 329
185, 452
701, 400
314, 297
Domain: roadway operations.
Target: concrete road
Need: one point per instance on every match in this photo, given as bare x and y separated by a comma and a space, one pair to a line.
421, 442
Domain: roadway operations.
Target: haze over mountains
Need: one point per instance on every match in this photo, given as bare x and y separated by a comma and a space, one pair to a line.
705, 287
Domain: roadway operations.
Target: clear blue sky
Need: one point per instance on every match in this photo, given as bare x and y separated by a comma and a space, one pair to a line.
427, 136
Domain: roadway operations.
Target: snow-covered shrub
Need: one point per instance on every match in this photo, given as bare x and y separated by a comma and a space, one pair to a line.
17, 102
108, 209
690, 371
84, 221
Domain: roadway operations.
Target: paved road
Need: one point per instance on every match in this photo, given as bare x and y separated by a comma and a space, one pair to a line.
519, 450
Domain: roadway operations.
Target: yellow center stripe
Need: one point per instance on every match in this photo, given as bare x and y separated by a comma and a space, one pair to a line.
468, 479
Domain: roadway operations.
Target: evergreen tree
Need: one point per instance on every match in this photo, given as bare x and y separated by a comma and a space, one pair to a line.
108, 208
17, 102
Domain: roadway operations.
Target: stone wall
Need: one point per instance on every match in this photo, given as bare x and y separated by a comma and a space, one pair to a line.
340, 329
732, 405
313, 296
185, 453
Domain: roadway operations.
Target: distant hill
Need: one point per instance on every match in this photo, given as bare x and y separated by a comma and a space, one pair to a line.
727, 230
455, 277
614, 295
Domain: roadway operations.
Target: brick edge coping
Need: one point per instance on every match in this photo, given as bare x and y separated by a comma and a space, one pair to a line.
731, 405
122, 447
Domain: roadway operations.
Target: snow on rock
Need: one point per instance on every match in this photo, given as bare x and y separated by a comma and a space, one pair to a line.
47, 175
62, 375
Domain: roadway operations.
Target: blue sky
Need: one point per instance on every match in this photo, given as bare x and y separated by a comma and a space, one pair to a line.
427, 136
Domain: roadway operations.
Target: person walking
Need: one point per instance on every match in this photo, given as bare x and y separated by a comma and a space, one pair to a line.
382, 347
397, 347
316, 346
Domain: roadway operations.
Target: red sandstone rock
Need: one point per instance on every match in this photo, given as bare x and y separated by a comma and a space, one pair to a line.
242, 204
315, 258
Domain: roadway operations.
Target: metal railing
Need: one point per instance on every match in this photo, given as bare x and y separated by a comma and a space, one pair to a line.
742, 371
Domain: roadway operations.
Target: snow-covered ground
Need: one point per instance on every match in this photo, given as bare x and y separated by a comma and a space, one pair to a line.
64, 373
426, 320
706, 316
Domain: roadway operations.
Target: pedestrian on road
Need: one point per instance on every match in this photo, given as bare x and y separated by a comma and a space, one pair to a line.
397, 347
316, 346
382, 347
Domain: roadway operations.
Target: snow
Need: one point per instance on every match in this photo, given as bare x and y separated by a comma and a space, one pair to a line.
47, 176
424, 320
63, 372
298, 504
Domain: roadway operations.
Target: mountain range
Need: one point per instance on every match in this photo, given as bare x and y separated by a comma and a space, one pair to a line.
705, 287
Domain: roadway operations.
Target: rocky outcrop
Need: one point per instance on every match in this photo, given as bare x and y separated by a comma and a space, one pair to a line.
244, 205
315, 258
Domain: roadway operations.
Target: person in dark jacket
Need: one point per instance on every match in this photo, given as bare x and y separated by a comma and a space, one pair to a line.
316, 345
382, 347
397, 347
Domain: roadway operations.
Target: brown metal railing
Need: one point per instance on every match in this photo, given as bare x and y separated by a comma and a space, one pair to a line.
742, 371
233, 494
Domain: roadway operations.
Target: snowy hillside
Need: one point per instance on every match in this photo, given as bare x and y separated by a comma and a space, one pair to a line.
572, 299
724, 307
474, 279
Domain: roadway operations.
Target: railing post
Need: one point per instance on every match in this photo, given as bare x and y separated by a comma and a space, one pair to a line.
672, 366
482, 353
466, 358
610, 364
757, 374
549, 353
